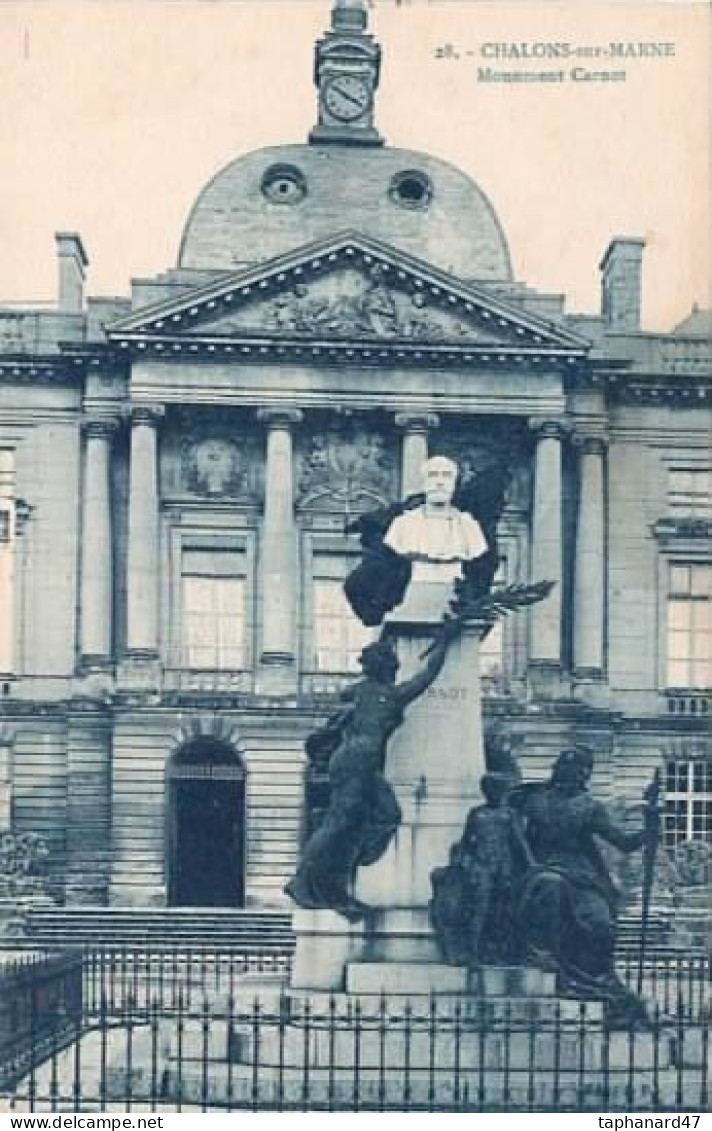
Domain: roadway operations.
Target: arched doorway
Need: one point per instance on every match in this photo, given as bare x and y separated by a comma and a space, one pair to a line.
206, 826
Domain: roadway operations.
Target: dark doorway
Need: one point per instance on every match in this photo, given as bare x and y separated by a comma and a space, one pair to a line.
206, 827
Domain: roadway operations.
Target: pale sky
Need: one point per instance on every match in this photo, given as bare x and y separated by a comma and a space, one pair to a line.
116, 112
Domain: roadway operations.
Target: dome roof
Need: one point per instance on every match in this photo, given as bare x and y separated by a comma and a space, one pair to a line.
274, 200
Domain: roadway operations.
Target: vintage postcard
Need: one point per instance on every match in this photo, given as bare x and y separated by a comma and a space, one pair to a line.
355, 557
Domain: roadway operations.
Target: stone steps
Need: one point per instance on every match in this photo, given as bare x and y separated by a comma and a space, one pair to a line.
629, 930
215, 927
159, 928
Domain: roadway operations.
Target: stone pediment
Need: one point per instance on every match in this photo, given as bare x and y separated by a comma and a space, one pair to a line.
350, 288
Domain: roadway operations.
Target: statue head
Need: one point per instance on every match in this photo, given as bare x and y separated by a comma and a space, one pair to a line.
573, 769
495, 786
379, 661
439, 479
500, 756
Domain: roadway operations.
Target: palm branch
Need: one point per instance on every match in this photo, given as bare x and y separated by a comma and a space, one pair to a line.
491, 606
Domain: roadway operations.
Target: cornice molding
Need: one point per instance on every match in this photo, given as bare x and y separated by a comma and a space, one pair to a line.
37, 370
623, 384
370, 352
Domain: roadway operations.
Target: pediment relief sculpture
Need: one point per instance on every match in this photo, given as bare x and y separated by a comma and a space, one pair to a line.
350, 470
352, 304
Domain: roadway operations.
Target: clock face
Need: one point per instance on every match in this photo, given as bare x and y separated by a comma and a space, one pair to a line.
347, 97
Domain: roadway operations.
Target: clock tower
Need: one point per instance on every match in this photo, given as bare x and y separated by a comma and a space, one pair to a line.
346, 71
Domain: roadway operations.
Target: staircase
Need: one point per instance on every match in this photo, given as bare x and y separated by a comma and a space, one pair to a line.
658, 931
151, 928
247, 930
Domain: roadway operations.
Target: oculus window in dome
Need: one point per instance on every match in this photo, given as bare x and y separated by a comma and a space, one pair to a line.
411, 189
417, 203
283, 184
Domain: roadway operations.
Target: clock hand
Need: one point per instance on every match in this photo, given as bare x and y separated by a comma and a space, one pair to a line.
348, 97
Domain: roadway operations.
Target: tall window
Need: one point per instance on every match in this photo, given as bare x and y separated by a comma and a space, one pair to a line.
688, 801
689, 626
339, 635
213, 602
690, 491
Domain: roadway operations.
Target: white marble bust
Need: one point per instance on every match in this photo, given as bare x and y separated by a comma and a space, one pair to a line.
437, 537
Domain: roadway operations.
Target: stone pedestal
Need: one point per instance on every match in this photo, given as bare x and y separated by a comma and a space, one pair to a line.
434, 762
326, 944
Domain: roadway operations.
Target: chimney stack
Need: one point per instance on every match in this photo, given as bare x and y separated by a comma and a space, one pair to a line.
72, 261
621, 281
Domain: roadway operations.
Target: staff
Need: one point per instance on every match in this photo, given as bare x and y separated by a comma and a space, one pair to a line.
651, 795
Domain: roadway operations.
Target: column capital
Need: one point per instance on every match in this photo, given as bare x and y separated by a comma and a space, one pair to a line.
589, 443
421, 422
547, 429
279, 416
150, 414
99, 427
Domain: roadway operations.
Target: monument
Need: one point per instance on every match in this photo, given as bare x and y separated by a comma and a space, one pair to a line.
402, 783
455, 926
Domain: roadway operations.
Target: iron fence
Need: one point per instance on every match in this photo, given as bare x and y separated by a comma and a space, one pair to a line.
163, 975
280, 1053
41, 1003
182, 1029
678, 982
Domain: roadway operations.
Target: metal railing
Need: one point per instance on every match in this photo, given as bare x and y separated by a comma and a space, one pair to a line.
163, 976
216, 1030
40, 1004
679, 983
280, 1053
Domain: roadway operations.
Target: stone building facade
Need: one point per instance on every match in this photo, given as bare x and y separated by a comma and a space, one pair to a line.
177, 470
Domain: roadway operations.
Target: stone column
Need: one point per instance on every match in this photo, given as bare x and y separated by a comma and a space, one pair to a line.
96, 581
547, 551
279, 547
7, 556
414, 452
142, 569
589, 577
